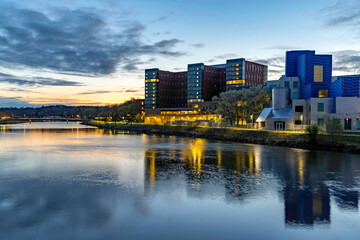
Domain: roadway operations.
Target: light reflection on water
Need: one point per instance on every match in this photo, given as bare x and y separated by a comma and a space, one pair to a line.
90, 184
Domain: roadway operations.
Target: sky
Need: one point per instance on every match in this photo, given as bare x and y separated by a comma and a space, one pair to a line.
81, 52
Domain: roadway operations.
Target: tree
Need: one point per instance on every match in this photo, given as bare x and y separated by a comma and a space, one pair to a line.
234, 106
333, 128
312, 132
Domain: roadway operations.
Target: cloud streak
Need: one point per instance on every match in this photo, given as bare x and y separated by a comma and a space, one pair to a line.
35, 81
347, 61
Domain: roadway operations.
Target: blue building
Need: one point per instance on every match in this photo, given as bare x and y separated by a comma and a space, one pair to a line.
308, 94
314, 72
345, 86
291, 61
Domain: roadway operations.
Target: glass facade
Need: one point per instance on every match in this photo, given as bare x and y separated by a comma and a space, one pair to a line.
235, 74
195, 82
151, 87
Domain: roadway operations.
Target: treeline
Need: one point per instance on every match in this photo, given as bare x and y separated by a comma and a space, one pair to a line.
128, 110
56, 110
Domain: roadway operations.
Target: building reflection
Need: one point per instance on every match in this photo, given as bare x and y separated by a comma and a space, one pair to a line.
309, 180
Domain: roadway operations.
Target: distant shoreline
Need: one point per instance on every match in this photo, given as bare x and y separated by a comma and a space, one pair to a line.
271, 138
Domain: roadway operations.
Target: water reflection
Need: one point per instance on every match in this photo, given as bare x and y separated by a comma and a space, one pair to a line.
306, 180
91, 184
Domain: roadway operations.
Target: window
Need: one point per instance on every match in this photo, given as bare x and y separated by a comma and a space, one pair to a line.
295, 95
318, 73
323, 93
347, 124
287, 84
358, 124
299, 109
320, 107
263, 124
296, 84
297, 122
320, 122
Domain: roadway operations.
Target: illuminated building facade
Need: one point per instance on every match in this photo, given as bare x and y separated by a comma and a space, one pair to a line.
164, 89
241, 73
205, 82
308, 94
200, 83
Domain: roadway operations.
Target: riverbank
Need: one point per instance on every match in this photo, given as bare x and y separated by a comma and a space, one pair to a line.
11, 121
273, 138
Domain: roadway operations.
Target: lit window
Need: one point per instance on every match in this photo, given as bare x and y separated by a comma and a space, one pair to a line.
323, 93
318, 73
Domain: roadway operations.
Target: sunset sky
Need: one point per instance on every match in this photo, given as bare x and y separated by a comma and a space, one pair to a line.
81, 52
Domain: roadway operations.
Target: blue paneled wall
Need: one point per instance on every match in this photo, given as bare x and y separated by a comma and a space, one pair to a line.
345, 86
335, 89
291, 61
301, 64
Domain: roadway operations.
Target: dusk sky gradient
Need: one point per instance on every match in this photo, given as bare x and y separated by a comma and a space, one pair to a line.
78, 52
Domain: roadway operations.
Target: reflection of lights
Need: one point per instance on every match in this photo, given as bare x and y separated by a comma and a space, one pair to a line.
219, 158
152, 169
197, 148
301, 170
251, 163
257, 155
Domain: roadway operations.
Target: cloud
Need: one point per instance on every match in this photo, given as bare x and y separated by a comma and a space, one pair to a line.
276, 66
13, 102
283, 47
73, 41
198, 45
124, 90
346, 61
35, 81
221, 57
342, 13
277, 62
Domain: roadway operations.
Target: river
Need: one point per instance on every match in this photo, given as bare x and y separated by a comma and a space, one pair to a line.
67, 181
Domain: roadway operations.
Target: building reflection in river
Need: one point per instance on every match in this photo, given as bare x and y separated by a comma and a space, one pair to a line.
305, 183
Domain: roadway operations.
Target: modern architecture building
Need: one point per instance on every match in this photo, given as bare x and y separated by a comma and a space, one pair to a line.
164, 89
241, 73
308, 94
205, 82
186, 96
200, 83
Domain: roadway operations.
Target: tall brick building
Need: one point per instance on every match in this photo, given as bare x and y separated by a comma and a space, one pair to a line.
200, 83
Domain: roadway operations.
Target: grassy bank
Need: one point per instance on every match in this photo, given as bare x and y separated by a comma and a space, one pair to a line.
11, 121
349, 144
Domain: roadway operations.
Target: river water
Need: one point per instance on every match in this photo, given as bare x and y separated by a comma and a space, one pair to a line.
64, 181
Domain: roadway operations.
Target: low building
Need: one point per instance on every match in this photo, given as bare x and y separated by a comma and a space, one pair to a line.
197, 114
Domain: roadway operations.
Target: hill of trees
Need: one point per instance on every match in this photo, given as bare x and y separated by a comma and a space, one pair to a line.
128, 110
